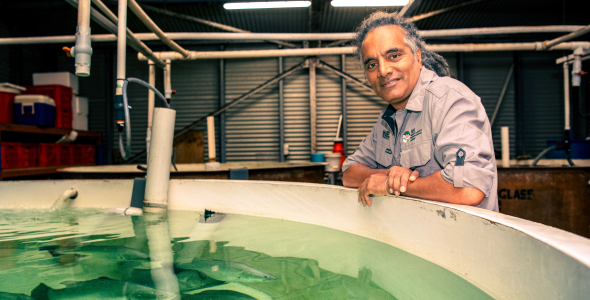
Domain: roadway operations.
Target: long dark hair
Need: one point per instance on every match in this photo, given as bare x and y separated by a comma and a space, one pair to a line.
377, 19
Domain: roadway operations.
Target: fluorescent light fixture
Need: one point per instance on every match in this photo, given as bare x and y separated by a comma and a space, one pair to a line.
369, 3
269, 4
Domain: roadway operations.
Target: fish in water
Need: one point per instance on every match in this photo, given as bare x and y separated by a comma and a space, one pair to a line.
118, 253
11, 296
108, 289
218, 294
227, 271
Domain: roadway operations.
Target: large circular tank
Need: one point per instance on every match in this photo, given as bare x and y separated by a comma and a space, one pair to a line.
506, 257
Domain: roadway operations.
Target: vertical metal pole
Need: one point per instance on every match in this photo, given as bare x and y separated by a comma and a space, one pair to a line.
519, 105
151, 104
312, 105
344, 106
222, 135
566, 94
110, 105
281, 115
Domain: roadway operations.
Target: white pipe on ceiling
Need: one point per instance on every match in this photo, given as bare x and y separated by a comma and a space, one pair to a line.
292, 36
351, 50
121, 45
145, 19
567, 37
132, 38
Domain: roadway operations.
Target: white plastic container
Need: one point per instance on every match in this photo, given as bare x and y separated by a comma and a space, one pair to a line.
333, 162
63, 78
80, 122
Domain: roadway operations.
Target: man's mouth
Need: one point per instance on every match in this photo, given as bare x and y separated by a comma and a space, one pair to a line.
390, 83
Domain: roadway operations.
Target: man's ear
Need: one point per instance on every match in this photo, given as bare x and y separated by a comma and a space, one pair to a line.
419, 55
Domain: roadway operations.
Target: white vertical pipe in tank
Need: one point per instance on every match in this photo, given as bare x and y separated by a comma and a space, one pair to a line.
158, 174
505, 147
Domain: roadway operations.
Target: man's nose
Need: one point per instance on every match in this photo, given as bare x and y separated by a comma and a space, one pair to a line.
384, 68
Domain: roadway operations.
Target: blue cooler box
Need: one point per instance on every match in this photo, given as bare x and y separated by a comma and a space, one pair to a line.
35, 110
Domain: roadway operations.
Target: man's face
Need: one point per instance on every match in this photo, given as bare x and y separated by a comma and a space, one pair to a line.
389, 65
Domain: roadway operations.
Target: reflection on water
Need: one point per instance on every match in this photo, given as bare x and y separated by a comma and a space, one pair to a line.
86, 254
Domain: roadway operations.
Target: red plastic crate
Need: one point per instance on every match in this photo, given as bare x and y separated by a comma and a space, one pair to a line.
62, 95
18, 155
27, 156
64, 119
83, 154
87, 154
9, 155
65, 155
6, 105
47, 155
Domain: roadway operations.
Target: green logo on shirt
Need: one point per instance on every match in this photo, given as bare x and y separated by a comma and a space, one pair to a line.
406, 137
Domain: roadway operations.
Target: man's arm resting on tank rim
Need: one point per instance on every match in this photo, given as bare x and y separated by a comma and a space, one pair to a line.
356, 174
434, 187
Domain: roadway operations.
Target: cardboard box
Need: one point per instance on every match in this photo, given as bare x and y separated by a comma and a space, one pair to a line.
80, 105
62, 78
80, 122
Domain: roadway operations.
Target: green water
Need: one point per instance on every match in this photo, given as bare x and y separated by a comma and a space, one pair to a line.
87, 254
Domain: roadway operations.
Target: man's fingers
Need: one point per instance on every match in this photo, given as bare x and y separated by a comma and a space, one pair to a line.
396, 182
391, 180
415, 174
404, 182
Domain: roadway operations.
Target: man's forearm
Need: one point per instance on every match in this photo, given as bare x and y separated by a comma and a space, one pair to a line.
434, 187
356, 174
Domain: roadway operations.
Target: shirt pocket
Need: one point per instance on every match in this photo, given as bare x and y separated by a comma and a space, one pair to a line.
416, 156
383, 155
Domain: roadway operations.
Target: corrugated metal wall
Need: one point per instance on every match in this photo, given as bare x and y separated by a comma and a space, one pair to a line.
197, 94
542, 96
329, 104
485, 74
252, 126
296, 97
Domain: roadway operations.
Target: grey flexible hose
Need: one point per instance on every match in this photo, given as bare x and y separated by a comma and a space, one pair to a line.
127, 118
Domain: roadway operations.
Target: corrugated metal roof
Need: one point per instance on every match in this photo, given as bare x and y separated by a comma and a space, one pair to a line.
59, 17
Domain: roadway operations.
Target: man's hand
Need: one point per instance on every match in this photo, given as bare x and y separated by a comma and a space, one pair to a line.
374, 185
398, 177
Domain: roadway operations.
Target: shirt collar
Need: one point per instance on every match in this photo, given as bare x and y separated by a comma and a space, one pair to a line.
417, 95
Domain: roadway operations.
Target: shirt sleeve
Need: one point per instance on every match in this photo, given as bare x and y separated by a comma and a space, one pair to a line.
462, 124
364, 153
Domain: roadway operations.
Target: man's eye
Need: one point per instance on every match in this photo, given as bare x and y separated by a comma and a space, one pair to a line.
371, 65
393, 56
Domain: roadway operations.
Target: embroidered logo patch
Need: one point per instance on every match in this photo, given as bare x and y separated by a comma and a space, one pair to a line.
386, 134
406, 137
414, 134
388, 151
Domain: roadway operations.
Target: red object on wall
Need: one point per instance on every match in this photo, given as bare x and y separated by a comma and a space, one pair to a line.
18, 155
88, 154
6, 105
83, 154
27, 157
65, 155
9, 155
47, 155
62, 95
338, 148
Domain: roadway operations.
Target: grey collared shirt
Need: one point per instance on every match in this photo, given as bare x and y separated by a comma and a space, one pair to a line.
444, 127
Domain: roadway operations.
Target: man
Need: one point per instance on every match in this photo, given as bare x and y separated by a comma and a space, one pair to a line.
433, 141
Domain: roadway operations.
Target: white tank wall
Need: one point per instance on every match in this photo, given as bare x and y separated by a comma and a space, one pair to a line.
509, 258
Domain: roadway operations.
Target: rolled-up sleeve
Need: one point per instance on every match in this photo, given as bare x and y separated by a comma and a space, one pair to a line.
462, 123
364, 153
